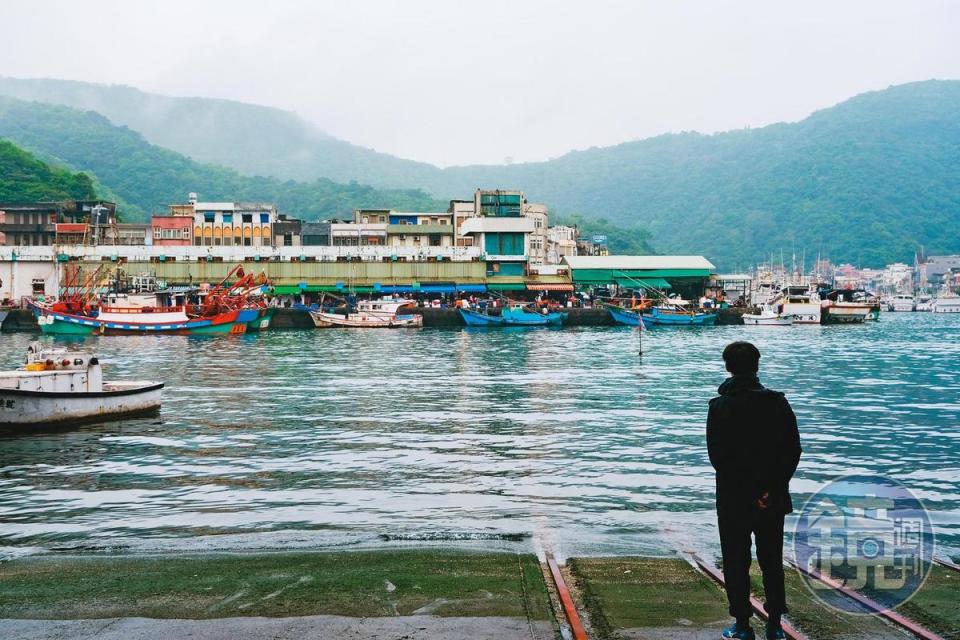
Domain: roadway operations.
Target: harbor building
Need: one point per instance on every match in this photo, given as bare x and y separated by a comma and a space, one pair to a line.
38, 223
227, 224
687, 276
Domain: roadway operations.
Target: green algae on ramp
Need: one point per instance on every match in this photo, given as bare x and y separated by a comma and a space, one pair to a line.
937, 604
811, 616
629, 593
353, 583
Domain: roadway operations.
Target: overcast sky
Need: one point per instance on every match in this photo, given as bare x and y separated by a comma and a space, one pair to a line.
456, 82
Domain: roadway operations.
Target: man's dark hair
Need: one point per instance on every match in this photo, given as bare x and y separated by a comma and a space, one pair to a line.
741, 357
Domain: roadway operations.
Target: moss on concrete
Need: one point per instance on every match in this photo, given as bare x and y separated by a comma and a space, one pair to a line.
819, 621
630, 592
373, 583
937, 604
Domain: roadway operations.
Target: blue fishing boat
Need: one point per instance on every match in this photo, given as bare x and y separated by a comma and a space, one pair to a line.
515, 316
626, 316
670, 315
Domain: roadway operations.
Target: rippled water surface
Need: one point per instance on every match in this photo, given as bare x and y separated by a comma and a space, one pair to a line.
339, 436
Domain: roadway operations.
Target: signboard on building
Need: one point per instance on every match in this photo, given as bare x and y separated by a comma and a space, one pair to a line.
599, 239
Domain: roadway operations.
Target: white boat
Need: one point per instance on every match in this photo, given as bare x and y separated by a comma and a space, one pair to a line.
60, 386
384, 312
799, 302
768, 316
924, 303
946, 304
902, 302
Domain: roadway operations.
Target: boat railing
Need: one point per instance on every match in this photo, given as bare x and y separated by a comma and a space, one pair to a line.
141, 309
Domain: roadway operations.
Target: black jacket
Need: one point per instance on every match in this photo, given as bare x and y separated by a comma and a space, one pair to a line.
754, 445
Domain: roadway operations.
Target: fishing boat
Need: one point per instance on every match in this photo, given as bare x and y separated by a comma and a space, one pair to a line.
382, 313
678, 316
628, 317
58, 386
514, 316
227, 307
902, 302
768, 316
844, 306
122, 320
800, 303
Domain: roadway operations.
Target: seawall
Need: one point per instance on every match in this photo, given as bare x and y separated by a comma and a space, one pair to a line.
23, 319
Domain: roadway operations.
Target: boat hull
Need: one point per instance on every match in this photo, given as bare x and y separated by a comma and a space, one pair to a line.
802, 312
3, 316
765, 321
24, 408
55, 322
845, 314
511, 318
263, 320
322, 319
679, 318
625, 316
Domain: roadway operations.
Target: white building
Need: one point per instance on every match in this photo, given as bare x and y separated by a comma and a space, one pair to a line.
561, 242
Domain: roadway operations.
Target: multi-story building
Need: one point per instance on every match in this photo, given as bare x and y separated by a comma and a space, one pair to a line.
172, 230
36, 224
216, 224
561, 242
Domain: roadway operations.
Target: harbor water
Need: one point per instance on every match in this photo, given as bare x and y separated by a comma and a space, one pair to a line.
341, 437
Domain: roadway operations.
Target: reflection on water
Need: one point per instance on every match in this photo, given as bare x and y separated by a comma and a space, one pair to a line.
563, 435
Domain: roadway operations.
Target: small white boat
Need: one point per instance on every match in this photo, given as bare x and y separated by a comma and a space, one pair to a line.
381, 313
60, 386
902, 302
924, 303
946, 304
768, 316
801, 303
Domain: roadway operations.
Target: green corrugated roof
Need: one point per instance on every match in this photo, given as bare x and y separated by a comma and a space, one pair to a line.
646, 283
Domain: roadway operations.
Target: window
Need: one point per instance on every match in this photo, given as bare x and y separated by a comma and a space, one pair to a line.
264, 218
156, 232
246, 217
228, 218
209, 216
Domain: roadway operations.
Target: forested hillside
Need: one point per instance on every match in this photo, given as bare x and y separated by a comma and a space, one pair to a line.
252, 139
869, 180
24, 178
148, 178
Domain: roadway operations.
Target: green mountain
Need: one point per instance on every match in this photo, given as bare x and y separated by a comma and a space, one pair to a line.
147, 178
24, 178
252, 139
869, 180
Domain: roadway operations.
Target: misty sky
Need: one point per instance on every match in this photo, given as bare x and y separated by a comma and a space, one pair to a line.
455, 82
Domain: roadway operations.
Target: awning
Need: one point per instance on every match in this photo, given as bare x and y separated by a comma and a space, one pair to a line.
507, 286
544, 286
283, 290
642, 283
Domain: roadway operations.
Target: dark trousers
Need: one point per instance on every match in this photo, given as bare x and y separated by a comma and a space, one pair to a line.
767, 529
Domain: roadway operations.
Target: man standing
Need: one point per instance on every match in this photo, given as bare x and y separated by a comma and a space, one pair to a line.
754, 446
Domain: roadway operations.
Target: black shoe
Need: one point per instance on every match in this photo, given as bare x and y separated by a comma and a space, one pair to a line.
775, 633
737, 632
